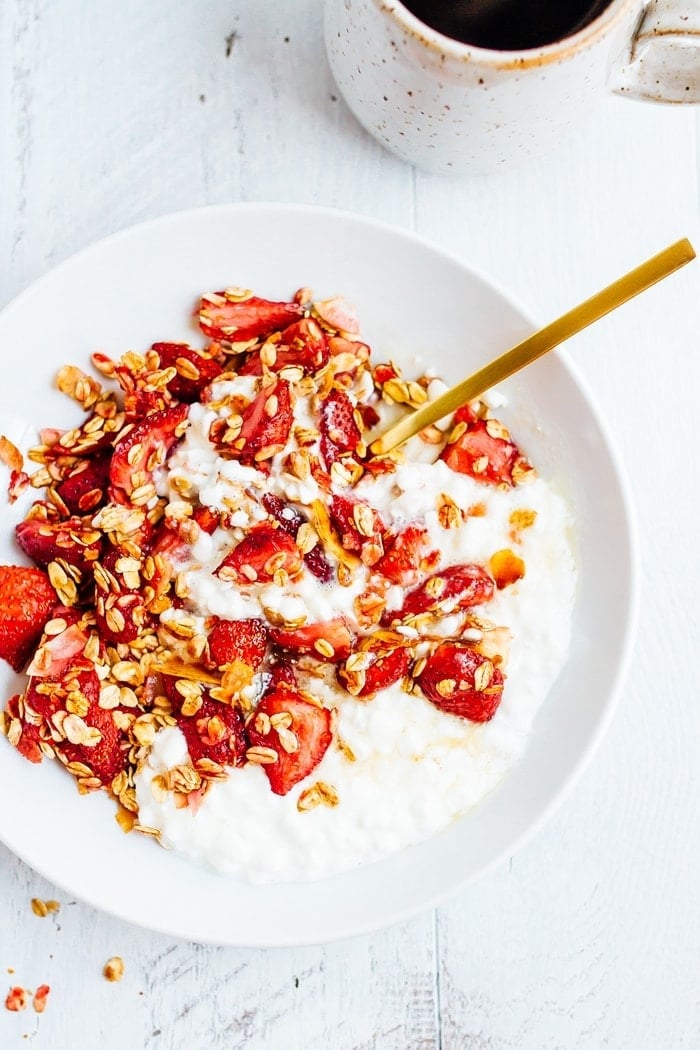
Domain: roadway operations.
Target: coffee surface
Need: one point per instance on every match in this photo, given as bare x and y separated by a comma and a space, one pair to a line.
507, 25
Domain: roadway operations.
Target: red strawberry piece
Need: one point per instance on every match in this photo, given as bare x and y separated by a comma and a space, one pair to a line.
29, 740
260, 554
168, 543
26, 601
484, 450
354, 354
357, 522
300, 745
340, 433
466, 414
370, 416
48, 701
408, 552
208, 520
385, 669
120, 564
61, 651
85, 440
290, 520
236, 320
120, 612
380, 465
451, 590
281, 673
302, 344
141, 449
383, 373
267, 421
194, 371
338, 344
74, 540
459, 680
338, 314
121, 618
109, 755
19, 482
331, 641
141, 396
215, 731
237, 640
85, 488
143, 403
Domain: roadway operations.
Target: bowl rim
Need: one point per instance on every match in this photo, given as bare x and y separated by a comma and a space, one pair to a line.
629, 524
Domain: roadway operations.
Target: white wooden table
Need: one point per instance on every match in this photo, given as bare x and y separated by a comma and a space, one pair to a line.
590, 936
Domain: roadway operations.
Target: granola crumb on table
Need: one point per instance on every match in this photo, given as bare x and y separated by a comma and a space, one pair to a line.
113, 969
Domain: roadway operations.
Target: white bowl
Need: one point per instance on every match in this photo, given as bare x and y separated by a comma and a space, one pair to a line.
138, 287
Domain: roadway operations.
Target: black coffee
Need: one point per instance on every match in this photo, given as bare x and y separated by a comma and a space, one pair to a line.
507, 25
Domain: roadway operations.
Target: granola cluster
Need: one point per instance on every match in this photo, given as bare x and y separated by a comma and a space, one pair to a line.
120, 650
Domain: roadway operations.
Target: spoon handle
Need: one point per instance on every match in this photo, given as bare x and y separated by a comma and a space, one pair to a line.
538, 344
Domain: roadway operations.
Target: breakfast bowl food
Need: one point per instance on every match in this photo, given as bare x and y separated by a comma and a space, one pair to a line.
286, 659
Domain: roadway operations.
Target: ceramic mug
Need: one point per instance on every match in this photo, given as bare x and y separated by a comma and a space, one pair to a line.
454, 108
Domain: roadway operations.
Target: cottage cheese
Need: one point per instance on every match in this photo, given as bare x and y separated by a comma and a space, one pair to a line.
416, 768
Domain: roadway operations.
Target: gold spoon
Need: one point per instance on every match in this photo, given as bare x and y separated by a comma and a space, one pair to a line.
600, 304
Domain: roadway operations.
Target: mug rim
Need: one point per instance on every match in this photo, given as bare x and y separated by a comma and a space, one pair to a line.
522, 59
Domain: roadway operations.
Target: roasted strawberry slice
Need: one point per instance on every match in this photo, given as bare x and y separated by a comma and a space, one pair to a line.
227, 316
260, 554
483, 450
302, 344
168, 543
338, 344
340, 433
356, 521
85, 488
207, 519
237, 640
267, 421
133, 372
92, 738
298, 731
25, 735
451, 590
62, 650
369, 414
96, 434
26, 601
338, 314
291, 521
281, 673
143, 448
359, 525
194, 370
331, 641
121, 618
459, 680
212, 731
408, 553
120, 608
382, 373
74, 540
375, 671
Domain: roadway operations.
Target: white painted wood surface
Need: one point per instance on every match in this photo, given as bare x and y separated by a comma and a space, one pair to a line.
590, 936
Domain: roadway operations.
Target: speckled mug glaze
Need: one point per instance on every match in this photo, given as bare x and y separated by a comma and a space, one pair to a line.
452, 108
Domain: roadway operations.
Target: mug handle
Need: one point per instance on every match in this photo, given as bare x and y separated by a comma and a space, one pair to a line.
663, 62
